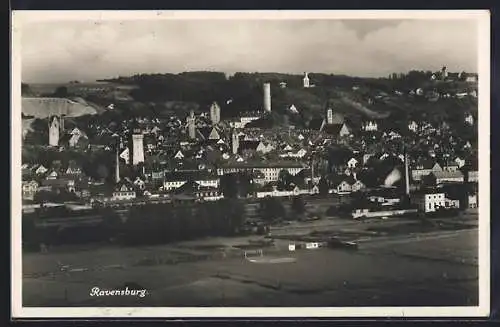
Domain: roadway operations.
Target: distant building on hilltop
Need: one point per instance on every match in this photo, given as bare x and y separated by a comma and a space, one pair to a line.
305, 81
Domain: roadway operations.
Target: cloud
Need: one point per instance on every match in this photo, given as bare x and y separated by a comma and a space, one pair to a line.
62, 51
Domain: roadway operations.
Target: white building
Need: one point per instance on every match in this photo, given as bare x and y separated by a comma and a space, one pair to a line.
137, 148
413, 126
125, 155
123, 192
472, 199
352, 163
473, 176
54, 132
270, 171
448, 176
429, 202
469, 119
370, 126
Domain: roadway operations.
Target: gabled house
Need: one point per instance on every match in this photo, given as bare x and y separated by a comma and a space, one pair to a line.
124, 191
460, 162
139, 183
424, 168
469, 119
29, 189
358, 186
352, 163
448, 176
343, 187
53, 174
451, 167
125, 155
264, 147
179, 155
207, 193
370, 126
413, 126
58, 184
41, 170
74, 169
209, 133
77, 139
338, 130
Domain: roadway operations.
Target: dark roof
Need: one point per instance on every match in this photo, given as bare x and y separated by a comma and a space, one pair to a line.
193, 187
333, 129
55, 182
263, 164
248, 145
189, 175
316, 123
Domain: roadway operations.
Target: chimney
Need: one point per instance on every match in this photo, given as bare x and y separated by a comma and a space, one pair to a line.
117, 168
407, 174
267, 97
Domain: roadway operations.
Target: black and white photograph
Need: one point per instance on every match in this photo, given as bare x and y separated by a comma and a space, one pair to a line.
250, 164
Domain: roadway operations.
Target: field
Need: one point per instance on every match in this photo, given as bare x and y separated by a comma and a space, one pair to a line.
421, 269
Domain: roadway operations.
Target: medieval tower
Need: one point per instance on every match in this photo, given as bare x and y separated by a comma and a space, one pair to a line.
215, 113
54, 130
137, 147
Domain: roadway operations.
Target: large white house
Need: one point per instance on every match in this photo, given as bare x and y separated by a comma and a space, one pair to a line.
270, 170
428, 202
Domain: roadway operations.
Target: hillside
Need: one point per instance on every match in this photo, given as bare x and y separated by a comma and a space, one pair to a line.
45, 107
356, 98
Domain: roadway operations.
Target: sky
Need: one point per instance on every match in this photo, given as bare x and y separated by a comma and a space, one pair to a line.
60, 51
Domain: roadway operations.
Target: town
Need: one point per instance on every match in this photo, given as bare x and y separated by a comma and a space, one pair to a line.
417, 164
296, 163
267, 186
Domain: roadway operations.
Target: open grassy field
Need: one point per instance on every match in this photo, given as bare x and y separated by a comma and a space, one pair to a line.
426, 269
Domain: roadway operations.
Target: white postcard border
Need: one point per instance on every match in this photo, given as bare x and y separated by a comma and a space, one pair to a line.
19, 18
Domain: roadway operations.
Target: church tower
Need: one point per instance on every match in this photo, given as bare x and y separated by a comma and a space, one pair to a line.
191, 125
54, 130
235, 142
329, 116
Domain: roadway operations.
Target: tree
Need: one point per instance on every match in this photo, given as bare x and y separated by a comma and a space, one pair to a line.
61, 92
298, 205
271, 209
102, 172
284, 179
229, 185
323, 186
26, 90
